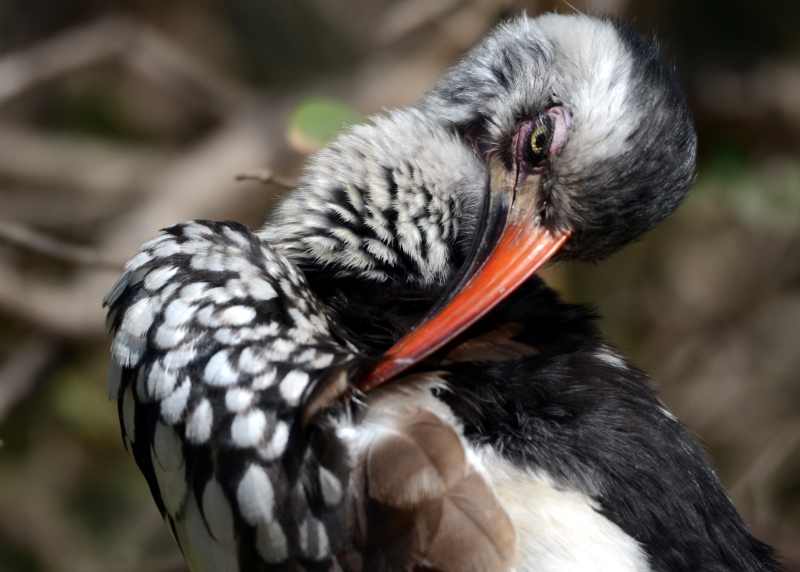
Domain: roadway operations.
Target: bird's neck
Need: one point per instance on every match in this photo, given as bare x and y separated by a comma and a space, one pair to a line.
391, 201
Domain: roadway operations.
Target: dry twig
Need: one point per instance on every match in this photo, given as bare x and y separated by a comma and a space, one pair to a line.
27, 238
101, 169
266, 177
111, 38
196, 185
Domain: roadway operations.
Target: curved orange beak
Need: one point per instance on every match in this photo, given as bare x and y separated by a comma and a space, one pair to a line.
521, 249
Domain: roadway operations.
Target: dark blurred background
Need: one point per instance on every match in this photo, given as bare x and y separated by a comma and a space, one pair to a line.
119, 118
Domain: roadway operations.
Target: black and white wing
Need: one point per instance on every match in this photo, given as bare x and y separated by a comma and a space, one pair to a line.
217, 345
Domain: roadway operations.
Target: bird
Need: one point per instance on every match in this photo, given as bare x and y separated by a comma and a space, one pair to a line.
378, 379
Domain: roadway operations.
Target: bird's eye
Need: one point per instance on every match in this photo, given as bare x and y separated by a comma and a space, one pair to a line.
541, 134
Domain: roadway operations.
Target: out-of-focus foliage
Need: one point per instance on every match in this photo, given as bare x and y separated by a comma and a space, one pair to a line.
145, 119
316, 121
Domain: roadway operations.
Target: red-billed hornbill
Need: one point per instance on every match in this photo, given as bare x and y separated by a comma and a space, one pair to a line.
249, 368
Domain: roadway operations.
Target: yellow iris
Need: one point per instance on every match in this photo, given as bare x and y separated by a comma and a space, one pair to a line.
539, 139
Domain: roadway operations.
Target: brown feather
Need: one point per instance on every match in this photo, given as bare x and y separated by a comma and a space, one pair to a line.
496, 345
426, 508
422, 460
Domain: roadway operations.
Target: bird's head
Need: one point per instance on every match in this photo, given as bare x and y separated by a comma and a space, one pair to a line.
589, 107
587, 142
558, 136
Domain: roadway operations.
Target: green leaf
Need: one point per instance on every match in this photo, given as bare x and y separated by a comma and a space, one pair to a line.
318, 120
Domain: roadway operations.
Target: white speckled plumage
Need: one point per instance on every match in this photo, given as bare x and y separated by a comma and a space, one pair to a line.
202, 351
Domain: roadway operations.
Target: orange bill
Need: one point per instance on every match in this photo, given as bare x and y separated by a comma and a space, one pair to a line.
521, 249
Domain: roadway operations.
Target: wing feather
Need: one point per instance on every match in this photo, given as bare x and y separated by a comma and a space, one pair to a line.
216, 342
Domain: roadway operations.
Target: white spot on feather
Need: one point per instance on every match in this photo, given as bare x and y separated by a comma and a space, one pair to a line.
219, 295
238, 399
265, 380
312, 526
166, 248
174, 405
237, 315
160, 381
138, 261
293, 385
277, 443
255, 496
261, 289
609, 357
322, 360
247, 429
193, 292
236, 236
177, 313
180, 357
168, 337
330, 486
198, 426
156, 279
130, 338
206, 316
251, 362
219, 371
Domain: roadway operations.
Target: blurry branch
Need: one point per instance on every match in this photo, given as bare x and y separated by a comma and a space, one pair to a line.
18, 374
61, 55
101, 169
404, 18
266, 177
41, 207
133, 43
770, 91
178, 70
195, 185
24, 237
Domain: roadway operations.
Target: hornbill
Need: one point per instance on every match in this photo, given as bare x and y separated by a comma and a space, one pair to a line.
376, 379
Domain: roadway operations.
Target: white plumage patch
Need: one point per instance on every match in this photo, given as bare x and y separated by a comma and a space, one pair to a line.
558, 529
610, 357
